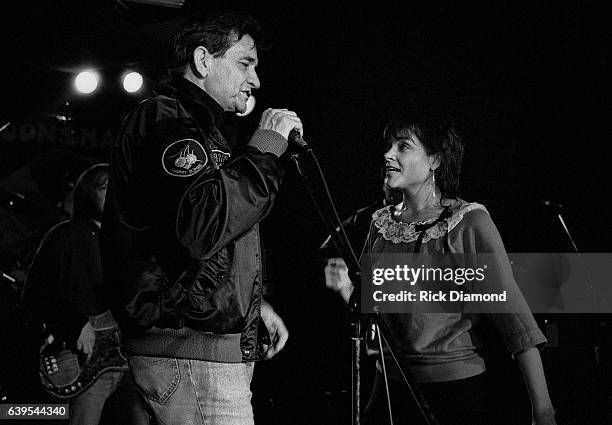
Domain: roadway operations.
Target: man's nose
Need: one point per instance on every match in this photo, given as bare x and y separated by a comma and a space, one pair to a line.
253, 80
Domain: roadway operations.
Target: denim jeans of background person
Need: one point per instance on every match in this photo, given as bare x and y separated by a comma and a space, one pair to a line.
180, 237
115, 391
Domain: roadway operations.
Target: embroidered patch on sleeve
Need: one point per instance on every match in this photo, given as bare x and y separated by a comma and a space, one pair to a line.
184, 158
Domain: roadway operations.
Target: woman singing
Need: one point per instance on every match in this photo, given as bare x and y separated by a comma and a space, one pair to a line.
442, 350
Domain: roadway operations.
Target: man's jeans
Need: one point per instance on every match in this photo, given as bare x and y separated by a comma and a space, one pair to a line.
186, 392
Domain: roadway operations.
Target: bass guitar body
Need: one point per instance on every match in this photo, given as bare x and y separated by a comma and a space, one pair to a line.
66, 373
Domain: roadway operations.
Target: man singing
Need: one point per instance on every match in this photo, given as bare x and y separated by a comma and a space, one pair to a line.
180, 240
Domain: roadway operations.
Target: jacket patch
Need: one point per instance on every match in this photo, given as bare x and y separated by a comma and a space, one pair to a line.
184, 158
220, 157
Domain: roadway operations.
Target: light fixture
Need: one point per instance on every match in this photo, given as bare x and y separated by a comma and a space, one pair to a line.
86, 82
132, 82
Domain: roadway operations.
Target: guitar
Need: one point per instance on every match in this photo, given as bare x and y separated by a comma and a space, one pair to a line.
66, 373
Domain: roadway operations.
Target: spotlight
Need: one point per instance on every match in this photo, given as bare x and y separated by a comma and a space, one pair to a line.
132, 82
86, 82
249, 107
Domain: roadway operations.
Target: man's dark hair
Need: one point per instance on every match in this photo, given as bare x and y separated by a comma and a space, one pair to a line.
436, 131
217, 32
83, 195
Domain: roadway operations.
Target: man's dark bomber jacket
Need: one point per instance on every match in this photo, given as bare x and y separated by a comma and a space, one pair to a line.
180, 239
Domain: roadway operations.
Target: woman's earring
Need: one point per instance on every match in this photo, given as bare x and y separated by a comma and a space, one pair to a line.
433, 183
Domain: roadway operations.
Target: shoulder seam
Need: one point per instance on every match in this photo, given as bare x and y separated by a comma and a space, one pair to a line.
458, 216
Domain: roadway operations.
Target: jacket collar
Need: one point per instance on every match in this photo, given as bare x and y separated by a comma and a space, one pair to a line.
189, 92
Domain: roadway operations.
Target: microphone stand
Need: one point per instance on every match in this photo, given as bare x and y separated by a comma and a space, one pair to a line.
567, 232
334, 226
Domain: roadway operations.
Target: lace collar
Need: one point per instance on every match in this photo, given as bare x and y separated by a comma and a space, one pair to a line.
398, 231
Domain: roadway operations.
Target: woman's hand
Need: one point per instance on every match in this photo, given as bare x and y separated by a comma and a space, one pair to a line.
530, 364
546, 417
337, 278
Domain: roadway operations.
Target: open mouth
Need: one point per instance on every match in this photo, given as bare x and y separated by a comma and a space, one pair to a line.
390, 169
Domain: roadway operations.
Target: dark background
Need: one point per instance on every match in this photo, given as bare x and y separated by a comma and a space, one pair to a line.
525, 81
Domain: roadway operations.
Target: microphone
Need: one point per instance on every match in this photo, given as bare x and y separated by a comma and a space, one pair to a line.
548, 203
296, 142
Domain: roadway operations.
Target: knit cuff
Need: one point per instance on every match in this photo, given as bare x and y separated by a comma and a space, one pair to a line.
269, 141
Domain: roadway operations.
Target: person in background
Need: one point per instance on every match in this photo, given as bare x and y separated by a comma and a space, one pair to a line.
63, 288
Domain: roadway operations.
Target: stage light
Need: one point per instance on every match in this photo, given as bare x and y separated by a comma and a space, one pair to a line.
132, 82
250, 105
86, 82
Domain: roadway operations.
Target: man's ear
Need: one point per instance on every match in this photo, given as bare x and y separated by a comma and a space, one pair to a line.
201, 61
